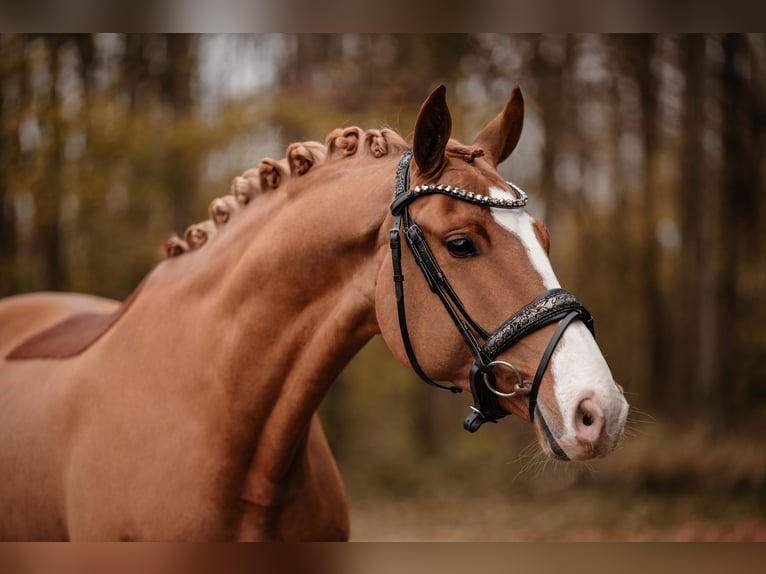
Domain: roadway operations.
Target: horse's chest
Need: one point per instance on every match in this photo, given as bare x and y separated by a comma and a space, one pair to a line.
299, 519
308, 504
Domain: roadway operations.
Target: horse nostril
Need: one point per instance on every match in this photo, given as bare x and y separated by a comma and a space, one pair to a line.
589, 422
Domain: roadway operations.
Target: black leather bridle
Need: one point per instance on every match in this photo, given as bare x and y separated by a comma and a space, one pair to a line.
552, 306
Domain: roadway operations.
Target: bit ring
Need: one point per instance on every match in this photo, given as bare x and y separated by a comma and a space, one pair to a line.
512, 367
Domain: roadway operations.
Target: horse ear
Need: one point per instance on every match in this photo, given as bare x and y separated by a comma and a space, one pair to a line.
432, 131
500, 136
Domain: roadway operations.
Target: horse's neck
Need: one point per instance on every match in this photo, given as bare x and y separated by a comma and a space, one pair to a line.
284, 298
301, 291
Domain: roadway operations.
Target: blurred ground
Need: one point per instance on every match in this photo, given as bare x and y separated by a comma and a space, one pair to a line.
412, 473
643, 492
575, 515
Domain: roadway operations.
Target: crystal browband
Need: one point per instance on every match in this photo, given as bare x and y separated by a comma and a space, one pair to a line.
404, 196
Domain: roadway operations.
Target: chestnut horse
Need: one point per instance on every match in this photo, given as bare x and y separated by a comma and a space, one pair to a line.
188, 411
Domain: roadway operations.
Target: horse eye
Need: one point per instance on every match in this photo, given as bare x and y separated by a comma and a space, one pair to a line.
462, 247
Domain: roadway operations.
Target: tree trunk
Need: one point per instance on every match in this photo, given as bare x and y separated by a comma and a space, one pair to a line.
182, 162
48, 200
697, 333
8, 273
551, 92
641, 50
739, 303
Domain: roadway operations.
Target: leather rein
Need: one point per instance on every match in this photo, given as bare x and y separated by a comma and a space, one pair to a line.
552, 306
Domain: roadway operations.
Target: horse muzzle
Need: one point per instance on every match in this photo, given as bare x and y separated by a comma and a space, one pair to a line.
593, 430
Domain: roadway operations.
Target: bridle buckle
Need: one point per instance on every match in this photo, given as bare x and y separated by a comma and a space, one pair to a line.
523, 389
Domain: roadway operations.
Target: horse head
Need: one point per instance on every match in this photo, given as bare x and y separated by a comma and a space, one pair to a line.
475, 301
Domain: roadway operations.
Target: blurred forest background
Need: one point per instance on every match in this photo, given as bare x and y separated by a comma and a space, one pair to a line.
644, 154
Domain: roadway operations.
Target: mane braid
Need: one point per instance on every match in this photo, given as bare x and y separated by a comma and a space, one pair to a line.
464, 152
271, 174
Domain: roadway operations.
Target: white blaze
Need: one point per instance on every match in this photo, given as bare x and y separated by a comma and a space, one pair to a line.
579, 369
518, 222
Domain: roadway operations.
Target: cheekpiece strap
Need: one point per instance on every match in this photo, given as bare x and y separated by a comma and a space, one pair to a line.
402, 178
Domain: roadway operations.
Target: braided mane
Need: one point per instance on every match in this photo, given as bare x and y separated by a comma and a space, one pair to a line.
270, 174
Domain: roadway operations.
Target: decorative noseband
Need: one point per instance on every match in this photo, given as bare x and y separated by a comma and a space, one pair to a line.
552, 306
549, 307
